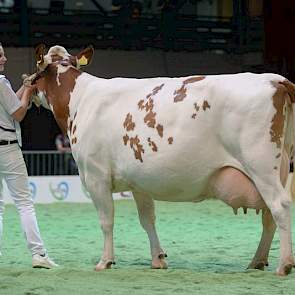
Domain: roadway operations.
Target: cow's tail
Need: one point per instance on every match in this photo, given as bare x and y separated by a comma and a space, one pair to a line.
290, 87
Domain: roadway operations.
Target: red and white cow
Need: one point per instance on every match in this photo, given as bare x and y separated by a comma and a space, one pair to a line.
177, 139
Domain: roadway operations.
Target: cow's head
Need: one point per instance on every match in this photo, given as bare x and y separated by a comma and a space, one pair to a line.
56, 75
58, 55
58, 60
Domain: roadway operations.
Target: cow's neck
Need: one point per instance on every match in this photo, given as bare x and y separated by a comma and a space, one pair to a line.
59, 95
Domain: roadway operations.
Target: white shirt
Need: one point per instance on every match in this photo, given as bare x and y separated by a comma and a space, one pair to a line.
9, 103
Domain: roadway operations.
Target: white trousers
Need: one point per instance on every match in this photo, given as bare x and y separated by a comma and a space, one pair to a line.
14, 171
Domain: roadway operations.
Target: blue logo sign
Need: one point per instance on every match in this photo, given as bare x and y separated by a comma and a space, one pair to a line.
59, 192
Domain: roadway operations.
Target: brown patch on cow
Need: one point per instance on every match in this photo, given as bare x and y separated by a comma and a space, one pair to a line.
58, 95
141, 104
152, 145
149, 105
70, 127
125, 139
136, 147
196, 107
170, 140
180, 94
205, 105
74, 140
193, 80
160, 129
157, 89
278, 120
278, 155
128, 123
290, 89
150, 119
134, 143
275, 168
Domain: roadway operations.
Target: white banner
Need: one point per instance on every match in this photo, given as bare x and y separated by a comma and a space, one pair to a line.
50, 189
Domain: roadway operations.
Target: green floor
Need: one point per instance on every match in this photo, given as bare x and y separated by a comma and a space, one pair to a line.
208, 248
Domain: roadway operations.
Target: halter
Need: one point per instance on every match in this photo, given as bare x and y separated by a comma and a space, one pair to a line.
41, 73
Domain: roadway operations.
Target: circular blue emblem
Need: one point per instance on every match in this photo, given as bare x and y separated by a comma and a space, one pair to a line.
59, 192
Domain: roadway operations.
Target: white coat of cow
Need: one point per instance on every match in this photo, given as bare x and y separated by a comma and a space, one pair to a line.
177, 139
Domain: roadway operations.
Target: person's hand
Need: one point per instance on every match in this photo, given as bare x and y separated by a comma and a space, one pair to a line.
30, 89
27, 79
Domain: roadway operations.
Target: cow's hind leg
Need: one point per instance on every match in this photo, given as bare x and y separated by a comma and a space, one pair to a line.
146, 212
279, 204
260, 259
103, 201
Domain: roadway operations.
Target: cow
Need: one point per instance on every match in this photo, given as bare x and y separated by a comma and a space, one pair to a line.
182, 139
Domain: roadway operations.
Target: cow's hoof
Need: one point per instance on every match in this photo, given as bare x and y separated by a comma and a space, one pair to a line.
258, 265
284, 270
160, 265
104, 265
159, 262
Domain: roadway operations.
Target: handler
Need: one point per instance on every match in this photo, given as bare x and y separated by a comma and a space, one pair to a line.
13, 107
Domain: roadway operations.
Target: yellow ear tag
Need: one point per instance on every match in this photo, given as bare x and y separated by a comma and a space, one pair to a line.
83, 61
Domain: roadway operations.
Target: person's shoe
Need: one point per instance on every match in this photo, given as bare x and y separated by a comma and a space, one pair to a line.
42, 261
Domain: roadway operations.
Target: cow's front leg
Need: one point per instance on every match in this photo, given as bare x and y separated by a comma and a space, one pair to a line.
103, 201
146, 212
260, 259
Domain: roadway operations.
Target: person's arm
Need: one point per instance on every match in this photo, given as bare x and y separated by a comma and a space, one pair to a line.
24, 94
20, 92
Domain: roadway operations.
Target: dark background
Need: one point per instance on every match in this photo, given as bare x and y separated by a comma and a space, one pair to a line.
147, 39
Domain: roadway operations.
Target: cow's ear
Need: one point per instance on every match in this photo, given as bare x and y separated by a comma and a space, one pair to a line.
85, 56
39, 53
